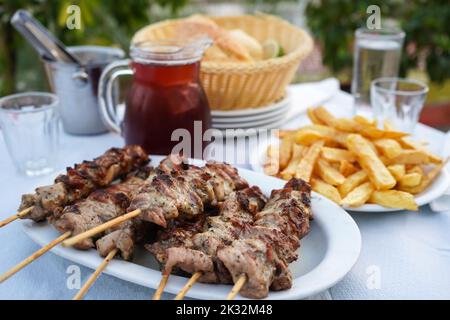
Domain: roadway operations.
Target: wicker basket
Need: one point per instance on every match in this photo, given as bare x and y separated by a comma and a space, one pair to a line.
234, 85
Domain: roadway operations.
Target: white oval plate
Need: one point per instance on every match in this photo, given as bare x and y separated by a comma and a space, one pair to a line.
246, 132
434, 191
250, 124
253, 111
258, 117
327, 253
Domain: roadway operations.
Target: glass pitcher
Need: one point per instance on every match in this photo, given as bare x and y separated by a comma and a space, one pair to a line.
165, 94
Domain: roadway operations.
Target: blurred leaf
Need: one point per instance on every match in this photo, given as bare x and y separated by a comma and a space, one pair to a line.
103, 22
426, 24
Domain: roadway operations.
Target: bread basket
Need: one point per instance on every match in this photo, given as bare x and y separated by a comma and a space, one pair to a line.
235, 85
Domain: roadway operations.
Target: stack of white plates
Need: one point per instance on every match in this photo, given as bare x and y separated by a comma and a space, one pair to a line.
269, 117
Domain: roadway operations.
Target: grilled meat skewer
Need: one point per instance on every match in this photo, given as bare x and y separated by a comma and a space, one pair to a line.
81, 180
257, 244
184, 193
124, 236
197, 253
262, 255
187, 192
179, 234
100, 206
106, 204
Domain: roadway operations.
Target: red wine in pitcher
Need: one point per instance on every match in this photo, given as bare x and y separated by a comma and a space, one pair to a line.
162, 99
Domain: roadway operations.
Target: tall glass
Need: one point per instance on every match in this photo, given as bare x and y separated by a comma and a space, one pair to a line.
29, 122
398, 101
376, 54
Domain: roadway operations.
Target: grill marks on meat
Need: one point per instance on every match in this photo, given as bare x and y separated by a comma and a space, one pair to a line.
265, 249
199, 252
81, 180
289, 209
125, 236
178, 234
254, 258
248, 237
100, 206
186, 192
236, 213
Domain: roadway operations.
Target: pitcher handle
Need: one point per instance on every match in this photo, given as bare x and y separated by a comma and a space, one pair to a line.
106, 101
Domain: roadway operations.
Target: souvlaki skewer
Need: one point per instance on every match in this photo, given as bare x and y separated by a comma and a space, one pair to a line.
182, 249
182, 193
99, 206
259, 260
249, 243
78, 182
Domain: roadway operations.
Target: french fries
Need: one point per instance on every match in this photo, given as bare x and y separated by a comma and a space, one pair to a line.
347, 125
312, 116
426, 180
389, 147
410, 157
346, 168
326, 133
326, 190
272, 164
410, 180
365, 122
418, 146
416, 169
306, 165
375, 133
337, 155
328, 173
394, 199
358, 196
352, 182
308, 136
397, 170
285, 151
289, 171
322, 115
352, 161
376, 170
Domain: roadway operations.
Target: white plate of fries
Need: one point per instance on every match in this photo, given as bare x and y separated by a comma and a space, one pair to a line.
356, 164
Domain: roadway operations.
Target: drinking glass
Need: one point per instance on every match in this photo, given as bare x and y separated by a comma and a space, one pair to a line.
29, 122
376, 54
398, 101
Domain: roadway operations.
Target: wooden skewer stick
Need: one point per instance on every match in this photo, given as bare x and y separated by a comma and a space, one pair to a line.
92, 232
34, 256
16, 216
237, 287
162, 285
188, 285
95, 275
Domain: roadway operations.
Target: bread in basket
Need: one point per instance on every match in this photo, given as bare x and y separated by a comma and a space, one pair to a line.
231, 85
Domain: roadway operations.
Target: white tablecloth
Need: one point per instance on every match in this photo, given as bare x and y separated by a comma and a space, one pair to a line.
405, 255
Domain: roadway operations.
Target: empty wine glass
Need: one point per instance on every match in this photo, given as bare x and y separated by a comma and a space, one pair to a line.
398, 101
29, 122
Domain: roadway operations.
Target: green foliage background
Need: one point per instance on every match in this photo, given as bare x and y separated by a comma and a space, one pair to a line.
107, 22
104, 22
425, 22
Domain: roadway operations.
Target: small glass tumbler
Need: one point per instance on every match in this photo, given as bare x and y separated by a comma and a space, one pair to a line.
376, 54
30, 125
398, 101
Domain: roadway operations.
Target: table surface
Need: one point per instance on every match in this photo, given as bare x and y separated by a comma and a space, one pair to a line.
405, 255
